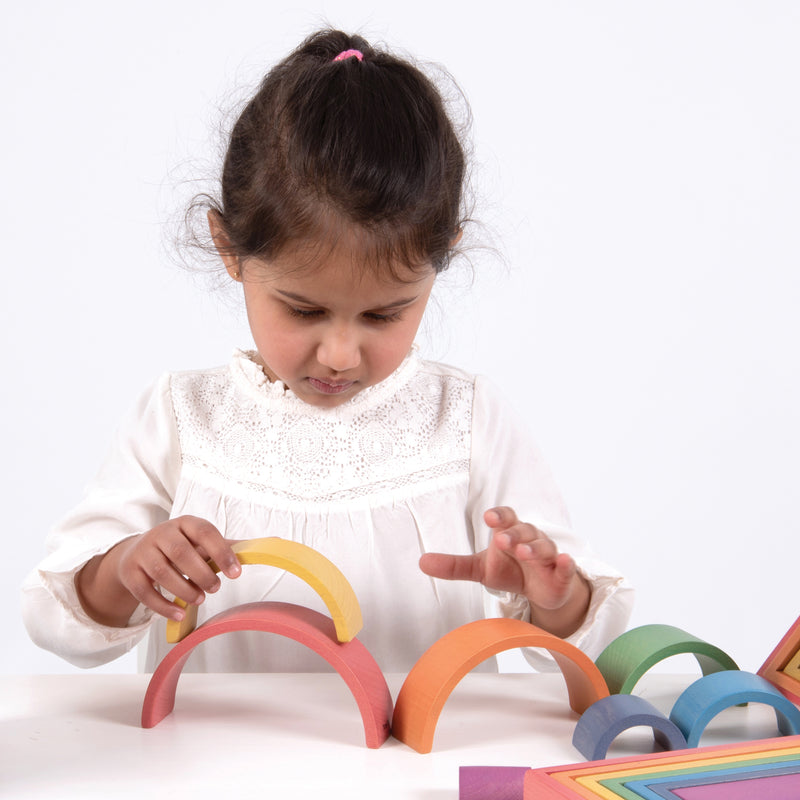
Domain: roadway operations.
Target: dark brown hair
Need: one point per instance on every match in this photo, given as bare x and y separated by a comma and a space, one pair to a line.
326, 146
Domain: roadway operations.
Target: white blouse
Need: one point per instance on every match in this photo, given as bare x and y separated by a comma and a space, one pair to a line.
405, 467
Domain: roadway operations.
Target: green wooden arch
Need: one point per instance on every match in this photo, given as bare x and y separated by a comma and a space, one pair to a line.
630, 655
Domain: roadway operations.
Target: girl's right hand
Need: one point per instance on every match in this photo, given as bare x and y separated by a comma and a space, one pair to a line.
174, 555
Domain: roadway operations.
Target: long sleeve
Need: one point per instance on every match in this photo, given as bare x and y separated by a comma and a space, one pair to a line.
132, 492
508, 469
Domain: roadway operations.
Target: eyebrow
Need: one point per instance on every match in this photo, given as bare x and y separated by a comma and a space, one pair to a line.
298, 298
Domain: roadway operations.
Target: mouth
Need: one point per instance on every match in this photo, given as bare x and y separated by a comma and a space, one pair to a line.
330, 387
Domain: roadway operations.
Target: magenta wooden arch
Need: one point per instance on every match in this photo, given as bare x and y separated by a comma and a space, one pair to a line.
350, 659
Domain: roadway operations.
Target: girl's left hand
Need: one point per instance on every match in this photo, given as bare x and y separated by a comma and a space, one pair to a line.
523, 560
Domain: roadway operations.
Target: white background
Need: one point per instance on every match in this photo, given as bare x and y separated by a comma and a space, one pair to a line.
637, 169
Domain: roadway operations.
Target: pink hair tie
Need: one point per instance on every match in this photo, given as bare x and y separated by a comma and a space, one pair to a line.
345, 54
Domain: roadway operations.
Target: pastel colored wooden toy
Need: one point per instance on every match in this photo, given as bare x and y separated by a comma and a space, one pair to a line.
314, 630
769, 787
792, 669
308, 564
603, 721
638, 785
758, 779
497, 783
612, 778
431, 680
780, 668
630, 655
620, 784
709, 695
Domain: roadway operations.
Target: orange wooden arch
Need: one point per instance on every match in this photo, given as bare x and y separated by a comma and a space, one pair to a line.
350, 659
448, 660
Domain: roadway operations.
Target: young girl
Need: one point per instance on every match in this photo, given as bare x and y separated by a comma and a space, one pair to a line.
341, 201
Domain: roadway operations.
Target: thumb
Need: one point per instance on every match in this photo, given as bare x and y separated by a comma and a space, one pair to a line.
451, 567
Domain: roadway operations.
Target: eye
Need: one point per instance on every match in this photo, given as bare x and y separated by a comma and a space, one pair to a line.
375, 316
305, 313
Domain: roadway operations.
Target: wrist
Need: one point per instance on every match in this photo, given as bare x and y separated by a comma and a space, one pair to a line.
565, 619
100, 591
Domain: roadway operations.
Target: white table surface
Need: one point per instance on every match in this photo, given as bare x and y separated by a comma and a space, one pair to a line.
292, 736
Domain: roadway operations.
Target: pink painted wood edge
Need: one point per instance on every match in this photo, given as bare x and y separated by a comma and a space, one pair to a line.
350, 659
772, 668
430, 681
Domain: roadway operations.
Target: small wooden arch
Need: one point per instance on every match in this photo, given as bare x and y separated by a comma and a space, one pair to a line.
709, 695
351, 660
321, 574
630, 655
431, 680
602, 722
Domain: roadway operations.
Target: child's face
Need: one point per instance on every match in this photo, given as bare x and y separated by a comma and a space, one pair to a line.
331, 330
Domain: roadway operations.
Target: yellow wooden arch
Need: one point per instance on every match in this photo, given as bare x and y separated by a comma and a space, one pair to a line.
308, 564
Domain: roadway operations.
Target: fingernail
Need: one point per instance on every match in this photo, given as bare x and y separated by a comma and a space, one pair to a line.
234, 570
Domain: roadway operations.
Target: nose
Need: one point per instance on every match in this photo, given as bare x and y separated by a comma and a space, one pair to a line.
339, 349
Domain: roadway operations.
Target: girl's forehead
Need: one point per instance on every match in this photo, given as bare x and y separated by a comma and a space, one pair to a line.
344, 261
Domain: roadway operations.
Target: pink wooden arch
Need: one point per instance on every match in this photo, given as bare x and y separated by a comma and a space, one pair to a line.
350, 659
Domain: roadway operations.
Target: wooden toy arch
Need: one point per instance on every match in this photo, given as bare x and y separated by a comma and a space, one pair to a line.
630, 655
318, 572
603, 721
431, 680
709, 695
351, 660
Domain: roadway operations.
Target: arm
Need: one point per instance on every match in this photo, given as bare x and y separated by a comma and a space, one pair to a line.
587, 600
131, 494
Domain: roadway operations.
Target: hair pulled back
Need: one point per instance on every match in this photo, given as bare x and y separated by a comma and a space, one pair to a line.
326, 146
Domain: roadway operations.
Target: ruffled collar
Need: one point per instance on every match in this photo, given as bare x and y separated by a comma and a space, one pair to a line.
250, 377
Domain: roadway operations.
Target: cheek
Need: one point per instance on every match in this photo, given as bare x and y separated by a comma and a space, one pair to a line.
390, 350
281, 346
277, 342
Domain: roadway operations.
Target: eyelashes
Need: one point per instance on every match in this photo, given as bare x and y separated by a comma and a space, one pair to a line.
312, 314
374, 316
305, 313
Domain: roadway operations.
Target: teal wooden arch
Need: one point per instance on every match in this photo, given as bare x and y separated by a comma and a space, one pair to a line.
709, 695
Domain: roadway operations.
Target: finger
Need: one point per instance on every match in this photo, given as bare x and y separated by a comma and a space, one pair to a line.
145, 593
161, 571
210, 544
542, 550
180, 558
521, 533
500, 517
565, 568
451, 567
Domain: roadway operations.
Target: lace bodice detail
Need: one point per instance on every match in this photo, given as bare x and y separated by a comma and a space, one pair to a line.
254, 437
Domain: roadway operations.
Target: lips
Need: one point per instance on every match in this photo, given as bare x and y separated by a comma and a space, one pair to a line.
330, 387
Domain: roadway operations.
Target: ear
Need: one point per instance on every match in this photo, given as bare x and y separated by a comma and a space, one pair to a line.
223, 245
457, 238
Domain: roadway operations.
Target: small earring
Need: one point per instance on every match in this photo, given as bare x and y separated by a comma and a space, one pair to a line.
236, 275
